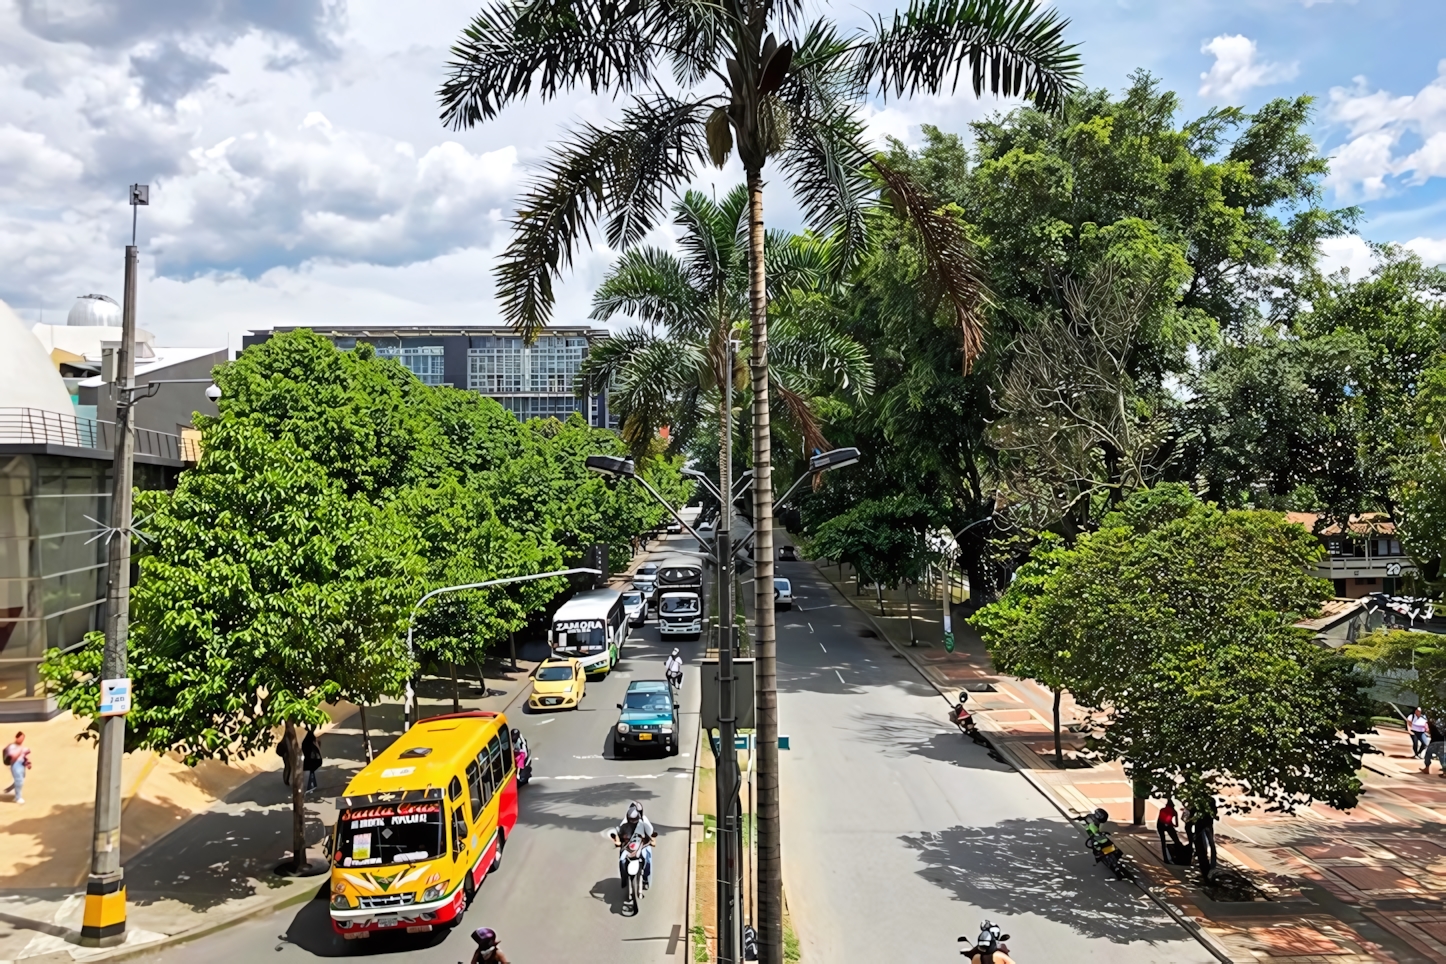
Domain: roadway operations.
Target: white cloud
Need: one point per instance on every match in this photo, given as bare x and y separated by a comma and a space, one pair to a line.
1353, 253
1236, 70
1376, 122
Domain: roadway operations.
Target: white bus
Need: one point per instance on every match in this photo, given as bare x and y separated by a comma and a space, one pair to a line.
591, 628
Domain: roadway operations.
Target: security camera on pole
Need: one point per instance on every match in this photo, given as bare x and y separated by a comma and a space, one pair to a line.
104, 920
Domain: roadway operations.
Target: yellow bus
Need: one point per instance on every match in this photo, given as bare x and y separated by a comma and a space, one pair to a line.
421, 825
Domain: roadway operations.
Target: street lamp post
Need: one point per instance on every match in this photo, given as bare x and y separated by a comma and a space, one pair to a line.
410, 708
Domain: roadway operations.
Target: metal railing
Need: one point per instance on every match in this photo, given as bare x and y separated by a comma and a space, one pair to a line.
33, 426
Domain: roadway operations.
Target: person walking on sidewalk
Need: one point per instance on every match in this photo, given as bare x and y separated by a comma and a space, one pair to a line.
310, 757
17, 758
1436, 748
1417, 725
1204, 838
283, 750
1165, 823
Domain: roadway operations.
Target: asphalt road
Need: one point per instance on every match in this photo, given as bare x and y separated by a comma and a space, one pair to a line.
899, 835
556, 896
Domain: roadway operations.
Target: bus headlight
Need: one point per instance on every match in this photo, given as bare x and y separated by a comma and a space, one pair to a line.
340, 901
623, 728
667, 729
434, 892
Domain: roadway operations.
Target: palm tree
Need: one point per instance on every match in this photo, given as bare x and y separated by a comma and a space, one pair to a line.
795, 100
700, 298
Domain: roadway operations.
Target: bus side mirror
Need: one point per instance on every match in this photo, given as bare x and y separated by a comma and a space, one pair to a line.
620, 706
677, 706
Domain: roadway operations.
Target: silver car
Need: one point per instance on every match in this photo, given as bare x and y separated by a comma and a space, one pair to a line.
646, 579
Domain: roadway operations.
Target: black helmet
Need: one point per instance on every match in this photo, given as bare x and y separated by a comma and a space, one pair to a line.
963, 696
485, 937
516, 734
1101, 815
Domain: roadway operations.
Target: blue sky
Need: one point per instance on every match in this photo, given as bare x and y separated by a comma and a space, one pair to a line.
299, 174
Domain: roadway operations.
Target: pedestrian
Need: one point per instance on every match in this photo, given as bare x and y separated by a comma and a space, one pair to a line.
1436, 747
1165, 823
1204, 838
1417, 725
17, 758
310, 757
283, 750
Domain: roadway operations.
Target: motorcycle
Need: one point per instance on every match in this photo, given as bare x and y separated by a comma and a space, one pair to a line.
963, 719
633, 863
988, 947
675, 680
1101, 845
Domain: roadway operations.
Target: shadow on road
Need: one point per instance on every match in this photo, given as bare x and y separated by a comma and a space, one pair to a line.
922, 737
311, 931
609, 891
1036, 867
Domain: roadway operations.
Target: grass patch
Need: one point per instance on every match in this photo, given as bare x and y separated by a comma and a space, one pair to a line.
791, 951
700, 945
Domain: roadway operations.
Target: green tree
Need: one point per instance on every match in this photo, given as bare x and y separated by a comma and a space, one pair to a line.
1406, 661
795, 99
884, 540
266, 591
1178, 618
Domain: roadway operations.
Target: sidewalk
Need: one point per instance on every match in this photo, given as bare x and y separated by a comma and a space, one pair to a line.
1319, 886
199, 845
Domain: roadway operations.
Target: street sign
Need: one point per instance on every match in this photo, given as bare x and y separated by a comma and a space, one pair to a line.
1393, 568
115, 697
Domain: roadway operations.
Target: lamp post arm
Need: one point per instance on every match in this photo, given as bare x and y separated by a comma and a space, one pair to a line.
411, 619
708, 484
674, 512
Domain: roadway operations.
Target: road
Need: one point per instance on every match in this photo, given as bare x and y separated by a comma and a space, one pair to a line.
899, 835
556, 896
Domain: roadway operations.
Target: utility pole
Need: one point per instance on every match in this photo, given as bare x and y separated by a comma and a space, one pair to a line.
104, 920
727, 781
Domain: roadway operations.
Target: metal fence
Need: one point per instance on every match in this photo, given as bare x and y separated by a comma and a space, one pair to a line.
33, 426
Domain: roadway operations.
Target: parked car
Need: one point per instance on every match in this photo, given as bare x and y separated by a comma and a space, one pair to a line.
636, 606
558, 684
674, 527
787, 554
649, 718
782, 593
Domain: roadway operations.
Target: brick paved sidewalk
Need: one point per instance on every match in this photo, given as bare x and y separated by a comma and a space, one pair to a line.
1319, 886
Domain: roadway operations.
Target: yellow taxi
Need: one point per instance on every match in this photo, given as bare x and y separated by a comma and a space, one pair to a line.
558, 684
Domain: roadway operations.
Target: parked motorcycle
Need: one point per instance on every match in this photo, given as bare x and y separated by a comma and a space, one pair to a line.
633, 863
1101, 845
988, 947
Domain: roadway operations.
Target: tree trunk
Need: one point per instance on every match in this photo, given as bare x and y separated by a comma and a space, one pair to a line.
366, 733
456, 695
298, 798
879, 592
909, 607
770, 851
1058, 750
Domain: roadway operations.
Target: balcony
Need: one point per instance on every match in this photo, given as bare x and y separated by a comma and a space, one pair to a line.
32, 430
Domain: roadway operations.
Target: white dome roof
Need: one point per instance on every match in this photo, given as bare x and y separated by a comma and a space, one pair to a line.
28, 378
94, 311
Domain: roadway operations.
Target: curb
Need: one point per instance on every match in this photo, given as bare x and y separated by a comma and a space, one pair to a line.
693, 821
1190, 926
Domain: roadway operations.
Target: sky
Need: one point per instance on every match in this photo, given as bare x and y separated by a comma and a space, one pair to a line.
299, 173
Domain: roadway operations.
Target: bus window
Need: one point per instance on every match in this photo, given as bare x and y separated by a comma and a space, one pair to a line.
499, 766
474, 789
506, 736
484, 769
459, 832
454, 789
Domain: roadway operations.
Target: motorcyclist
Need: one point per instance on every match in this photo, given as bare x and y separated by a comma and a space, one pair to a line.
519, 746
487, 950
673, 668
958, 715
989, 947
635, 822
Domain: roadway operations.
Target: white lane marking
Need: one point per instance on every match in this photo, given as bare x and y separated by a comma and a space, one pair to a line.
810, 627
545, 722
590, 756
840, 677
823, 647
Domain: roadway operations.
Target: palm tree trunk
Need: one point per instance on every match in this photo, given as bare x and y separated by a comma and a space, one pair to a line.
770, 851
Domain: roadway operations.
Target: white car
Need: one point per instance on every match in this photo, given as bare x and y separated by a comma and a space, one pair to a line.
782, 593
646, 579
674, 527
635, 604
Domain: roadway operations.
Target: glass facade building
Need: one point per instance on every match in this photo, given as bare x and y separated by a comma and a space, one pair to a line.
530, 381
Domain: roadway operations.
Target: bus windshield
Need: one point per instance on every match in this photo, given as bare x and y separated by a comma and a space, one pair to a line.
678, 605
580, 637
397, 834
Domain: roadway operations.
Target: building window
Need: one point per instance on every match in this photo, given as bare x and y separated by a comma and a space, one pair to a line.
554, 363
424, 361
496, 367
1388, 547
541, 406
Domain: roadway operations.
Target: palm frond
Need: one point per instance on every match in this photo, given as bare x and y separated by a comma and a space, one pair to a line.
801, 414
650, 285
954, 267
811, 357
707, 258
1013, 47
645, 375
511, 48
619, 172
824, 161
